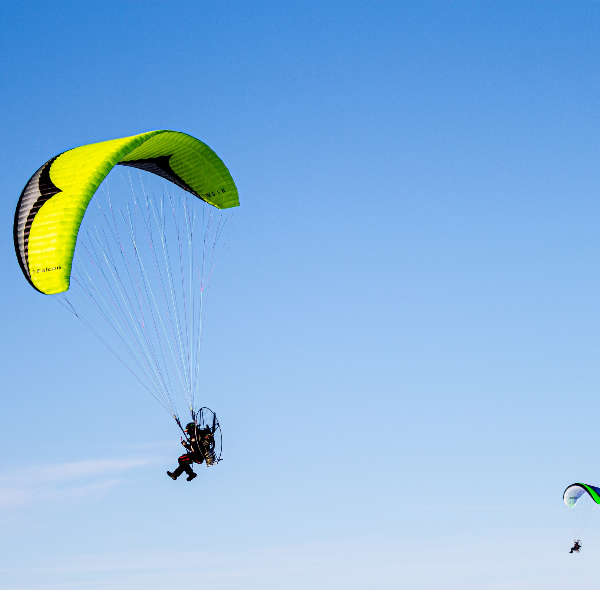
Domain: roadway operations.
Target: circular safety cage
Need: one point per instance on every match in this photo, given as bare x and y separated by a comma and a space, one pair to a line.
206, 420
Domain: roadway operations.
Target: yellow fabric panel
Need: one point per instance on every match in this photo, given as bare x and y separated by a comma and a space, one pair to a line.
77, 173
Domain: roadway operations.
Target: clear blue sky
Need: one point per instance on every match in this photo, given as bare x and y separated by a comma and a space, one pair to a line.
404, 342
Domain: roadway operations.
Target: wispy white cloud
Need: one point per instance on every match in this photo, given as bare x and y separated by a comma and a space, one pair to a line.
63, 482
61, 472
13, 497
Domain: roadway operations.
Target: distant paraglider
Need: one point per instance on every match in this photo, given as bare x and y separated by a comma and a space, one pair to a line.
136, 271
582, 500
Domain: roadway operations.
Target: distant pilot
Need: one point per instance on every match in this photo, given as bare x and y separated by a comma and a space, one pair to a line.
576, 547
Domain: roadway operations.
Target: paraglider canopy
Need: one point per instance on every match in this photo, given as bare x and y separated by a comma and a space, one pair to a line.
55, 199
576, 490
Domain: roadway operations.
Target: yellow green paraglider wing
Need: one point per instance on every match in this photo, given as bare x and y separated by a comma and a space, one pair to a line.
54, 201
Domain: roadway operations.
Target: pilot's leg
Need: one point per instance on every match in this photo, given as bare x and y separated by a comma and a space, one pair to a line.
185, 464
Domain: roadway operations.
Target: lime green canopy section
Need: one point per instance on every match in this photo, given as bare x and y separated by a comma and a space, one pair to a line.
54, 201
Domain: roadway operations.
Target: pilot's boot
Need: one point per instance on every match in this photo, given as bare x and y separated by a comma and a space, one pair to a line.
191, 476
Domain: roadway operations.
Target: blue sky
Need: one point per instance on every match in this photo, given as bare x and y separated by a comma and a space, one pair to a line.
403, 344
